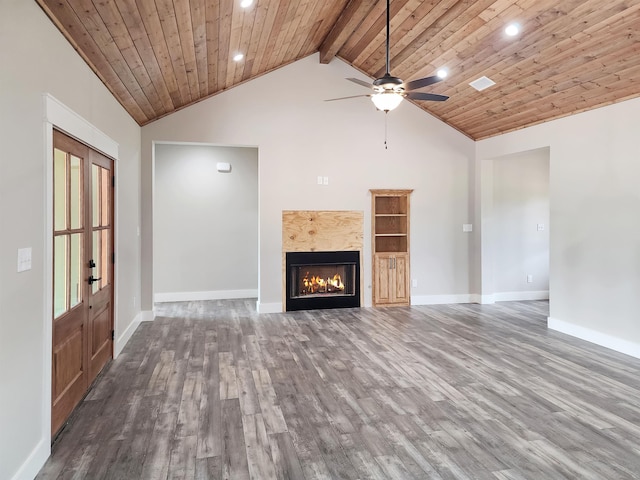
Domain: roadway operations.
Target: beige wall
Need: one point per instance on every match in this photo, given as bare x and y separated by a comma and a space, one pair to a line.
300, 137
205, 234
594, 222
36, 59
520, 205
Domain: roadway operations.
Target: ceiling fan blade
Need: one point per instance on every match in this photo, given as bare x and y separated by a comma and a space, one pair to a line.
345, 98
421, 82
426, 96
360, 82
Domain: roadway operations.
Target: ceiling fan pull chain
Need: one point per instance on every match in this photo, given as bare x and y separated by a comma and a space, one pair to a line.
385, 129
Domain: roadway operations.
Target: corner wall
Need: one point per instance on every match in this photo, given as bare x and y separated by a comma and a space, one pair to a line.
36, 59
594, 221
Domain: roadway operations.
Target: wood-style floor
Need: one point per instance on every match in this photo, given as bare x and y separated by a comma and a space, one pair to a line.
212, 390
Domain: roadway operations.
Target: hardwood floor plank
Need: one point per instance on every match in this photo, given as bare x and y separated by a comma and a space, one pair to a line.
234, 456
258, 448
183, 459
214, 390
209, 419
285, 458
228, 379
208, 468
156, 462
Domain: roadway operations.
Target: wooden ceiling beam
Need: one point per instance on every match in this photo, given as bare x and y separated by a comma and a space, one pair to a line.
350, 18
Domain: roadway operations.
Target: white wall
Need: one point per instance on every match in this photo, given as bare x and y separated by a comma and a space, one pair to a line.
35, 59
205, 231
594, 220
520, 204
300, 136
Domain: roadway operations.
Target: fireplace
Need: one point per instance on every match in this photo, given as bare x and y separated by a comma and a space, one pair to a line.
322, 280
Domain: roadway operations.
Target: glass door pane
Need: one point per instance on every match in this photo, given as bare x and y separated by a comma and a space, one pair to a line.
104, 197
75, 270
97, 258
95, 195
75, 192
60, 275
59, 190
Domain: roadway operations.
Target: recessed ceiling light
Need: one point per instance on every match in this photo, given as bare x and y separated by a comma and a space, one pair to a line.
238, 57
246, 3
442, 73
512, 29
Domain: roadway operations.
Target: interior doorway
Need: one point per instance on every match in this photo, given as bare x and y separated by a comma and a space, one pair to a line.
83, 280
520, 217
205, 222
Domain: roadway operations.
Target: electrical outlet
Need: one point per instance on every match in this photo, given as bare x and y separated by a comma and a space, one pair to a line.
540, 227
529, 278
414, 282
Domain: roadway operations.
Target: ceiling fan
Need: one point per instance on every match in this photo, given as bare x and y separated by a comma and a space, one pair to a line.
388, 91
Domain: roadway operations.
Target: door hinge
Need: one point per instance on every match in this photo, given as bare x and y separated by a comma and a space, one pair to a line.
113, 257
113, 181
113, 334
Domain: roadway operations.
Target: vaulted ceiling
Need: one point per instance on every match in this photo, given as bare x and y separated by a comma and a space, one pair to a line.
157, 56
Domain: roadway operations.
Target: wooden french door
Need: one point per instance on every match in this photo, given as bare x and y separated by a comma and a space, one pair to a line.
82, 272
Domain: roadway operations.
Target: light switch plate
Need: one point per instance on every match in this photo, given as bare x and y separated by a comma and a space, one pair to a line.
24, 259
325, 181
540, 227
319, 180
467, 227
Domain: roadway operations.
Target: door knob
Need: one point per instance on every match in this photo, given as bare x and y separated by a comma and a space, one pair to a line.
91, 279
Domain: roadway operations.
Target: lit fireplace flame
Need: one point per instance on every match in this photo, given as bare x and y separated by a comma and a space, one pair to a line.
322, 285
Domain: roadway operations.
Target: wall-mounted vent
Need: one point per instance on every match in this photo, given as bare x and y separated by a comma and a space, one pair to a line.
482, 83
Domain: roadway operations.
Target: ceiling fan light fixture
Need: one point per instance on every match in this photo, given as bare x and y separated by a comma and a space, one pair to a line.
246, 3
442, 73
386, 101
237, 57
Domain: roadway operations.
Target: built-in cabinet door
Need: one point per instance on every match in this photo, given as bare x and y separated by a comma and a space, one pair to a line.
383, 279
391, 279
400, 273
82, 320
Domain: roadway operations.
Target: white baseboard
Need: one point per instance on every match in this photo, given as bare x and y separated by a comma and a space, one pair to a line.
34, 462
211, 295
147, 316
440, 299
482, 299
124, 337
518, 296
275, 307
593, 336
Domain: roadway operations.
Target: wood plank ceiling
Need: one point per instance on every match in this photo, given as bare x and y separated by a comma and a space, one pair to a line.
157, 56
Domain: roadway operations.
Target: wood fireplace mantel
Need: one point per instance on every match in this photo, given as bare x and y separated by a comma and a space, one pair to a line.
321, 230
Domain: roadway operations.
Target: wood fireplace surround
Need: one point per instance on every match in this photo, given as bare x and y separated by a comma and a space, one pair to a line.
321, 231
